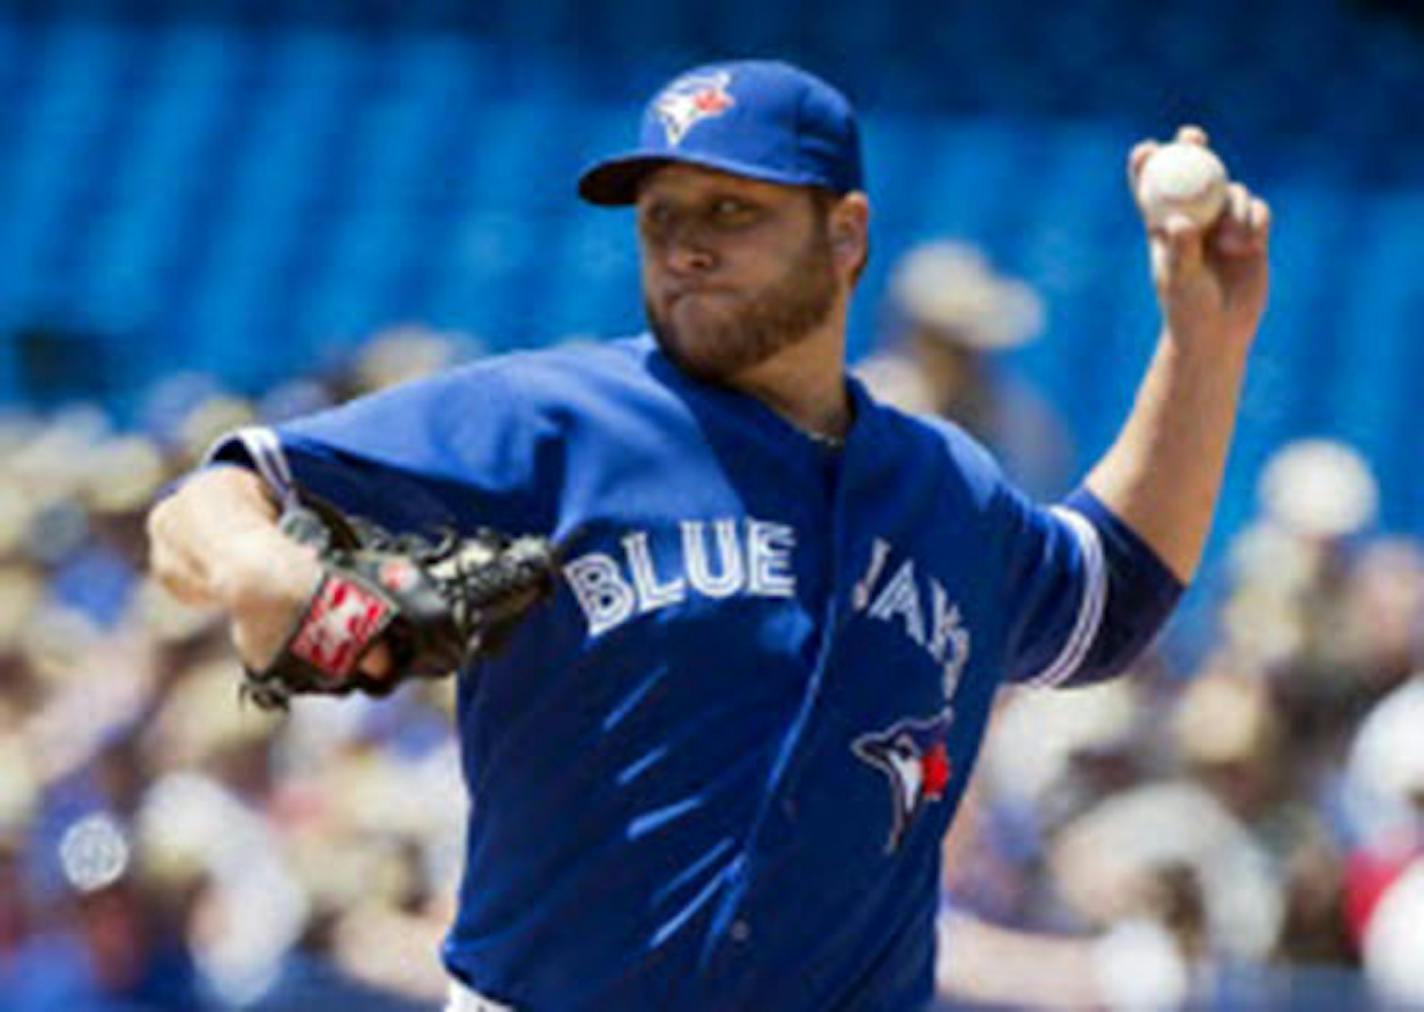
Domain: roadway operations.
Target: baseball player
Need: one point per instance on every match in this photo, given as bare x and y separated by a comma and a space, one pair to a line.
712, 772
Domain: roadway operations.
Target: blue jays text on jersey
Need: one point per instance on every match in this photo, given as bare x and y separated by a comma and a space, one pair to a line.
714, 772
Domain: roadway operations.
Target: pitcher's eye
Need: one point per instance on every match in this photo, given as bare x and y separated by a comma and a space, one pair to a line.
654, 218
731, 211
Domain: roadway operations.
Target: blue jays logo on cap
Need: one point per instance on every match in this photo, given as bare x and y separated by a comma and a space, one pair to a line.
762, 119
914, 756
691, 99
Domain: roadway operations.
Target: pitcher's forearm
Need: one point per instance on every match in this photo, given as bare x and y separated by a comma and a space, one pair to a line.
199, 530
1163, 474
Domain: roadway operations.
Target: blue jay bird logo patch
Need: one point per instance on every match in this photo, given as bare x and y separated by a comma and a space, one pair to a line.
689, 100
914, 756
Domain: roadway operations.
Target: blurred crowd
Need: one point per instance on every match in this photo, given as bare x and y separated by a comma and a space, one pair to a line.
162, 845
1158, 839
1182, 835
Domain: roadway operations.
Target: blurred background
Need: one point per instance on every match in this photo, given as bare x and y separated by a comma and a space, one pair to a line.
217, 212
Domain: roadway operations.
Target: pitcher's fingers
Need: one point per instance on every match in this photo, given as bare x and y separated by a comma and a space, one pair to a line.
377, 661
1233, 229
1259, 218
1182, 248
1136, 158
1238, 204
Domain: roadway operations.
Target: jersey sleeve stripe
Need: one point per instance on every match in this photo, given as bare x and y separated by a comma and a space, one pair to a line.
267, 456
1090, 608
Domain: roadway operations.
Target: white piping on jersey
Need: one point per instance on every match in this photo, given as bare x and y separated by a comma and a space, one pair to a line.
1090, 607
463, 999
265, 449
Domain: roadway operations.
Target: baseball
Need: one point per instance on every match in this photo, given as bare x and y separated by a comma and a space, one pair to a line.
1182, 178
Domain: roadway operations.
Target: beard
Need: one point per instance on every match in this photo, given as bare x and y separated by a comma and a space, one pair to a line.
783, 313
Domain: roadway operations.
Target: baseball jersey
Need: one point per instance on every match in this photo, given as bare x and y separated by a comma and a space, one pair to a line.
713, 772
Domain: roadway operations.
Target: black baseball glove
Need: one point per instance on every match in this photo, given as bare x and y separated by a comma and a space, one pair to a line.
436, 604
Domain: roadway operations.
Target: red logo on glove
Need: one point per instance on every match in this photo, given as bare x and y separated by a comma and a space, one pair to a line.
339, 625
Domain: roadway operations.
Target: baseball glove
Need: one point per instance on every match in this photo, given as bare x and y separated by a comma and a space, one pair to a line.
435, 603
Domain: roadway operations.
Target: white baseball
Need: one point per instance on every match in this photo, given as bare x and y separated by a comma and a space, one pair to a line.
1182, 179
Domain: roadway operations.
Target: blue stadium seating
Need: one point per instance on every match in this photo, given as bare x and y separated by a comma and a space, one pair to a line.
253, 186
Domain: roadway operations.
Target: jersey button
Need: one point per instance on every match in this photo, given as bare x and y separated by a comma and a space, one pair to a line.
788, 807
740, 930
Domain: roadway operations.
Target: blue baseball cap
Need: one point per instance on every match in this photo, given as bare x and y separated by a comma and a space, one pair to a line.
757, 118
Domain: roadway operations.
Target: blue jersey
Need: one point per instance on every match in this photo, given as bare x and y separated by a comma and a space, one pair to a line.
714, 772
